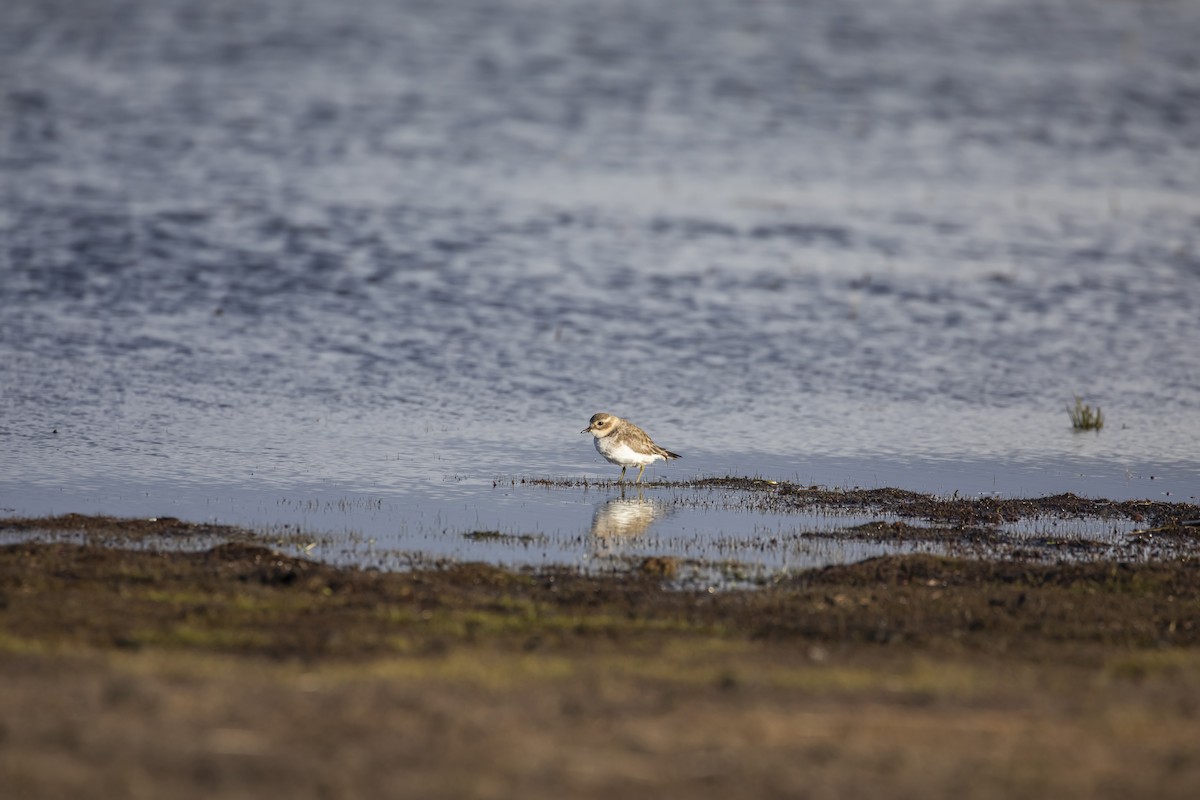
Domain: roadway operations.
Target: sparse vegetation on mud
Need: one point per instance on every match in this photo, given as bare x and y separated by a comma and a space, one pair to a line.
781, 496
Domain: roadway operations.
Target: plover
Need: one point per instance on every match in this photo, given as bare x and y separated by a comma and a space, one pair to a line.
625, 444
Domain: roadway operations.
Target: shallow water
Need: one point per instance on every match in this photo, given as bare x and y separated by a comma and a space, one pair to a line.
266, 253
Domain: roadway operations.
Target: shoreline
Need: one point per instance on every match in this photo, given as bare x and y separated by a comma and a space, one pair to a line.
621, 532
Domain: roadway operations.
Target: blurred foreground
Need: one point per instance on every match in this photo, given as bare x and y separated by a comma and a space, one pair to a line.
235, 672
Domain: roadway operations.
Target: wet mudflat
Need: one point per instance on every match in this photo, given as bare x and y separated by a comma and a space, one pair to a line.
234, 670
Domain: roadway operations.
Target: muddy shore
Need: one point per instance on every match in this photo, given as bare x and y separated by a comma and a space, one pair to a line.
235, 671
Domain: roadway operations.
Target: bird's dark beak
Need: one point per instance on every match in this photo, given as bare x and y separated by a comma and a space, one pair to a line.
588, 429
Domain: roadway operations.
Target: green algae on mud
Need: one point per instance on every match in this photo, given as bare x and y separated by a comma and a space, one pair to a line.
165, 531
500, 536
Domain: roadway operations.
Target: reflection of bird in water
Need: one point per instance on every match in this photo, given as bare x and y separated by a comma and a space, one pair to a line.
622, 518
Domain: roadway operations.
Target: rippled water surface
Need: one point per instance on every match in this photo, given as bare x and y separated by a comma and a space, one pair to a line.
265, 253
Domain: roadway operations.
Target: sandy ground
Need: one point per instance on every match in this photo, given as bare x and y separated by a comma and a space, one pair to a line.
238, 672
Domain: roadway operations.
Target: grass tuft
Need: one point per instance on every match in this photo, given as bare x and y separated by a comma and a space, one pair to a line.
1084, 418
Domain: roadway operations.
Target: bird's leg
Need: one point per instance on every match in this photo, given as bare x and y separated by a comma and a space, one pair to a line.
622, 478
641, 469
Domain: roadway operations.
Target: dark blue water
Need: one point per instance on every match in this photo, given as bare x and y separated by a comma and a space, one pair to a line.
261, 251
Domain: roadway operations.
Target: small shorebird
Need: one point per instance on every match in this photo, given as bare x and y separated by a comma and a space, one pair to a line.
625, 444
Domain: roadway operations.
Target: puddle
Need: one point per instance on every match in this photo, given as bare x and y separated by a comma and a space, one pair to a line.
712, 532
